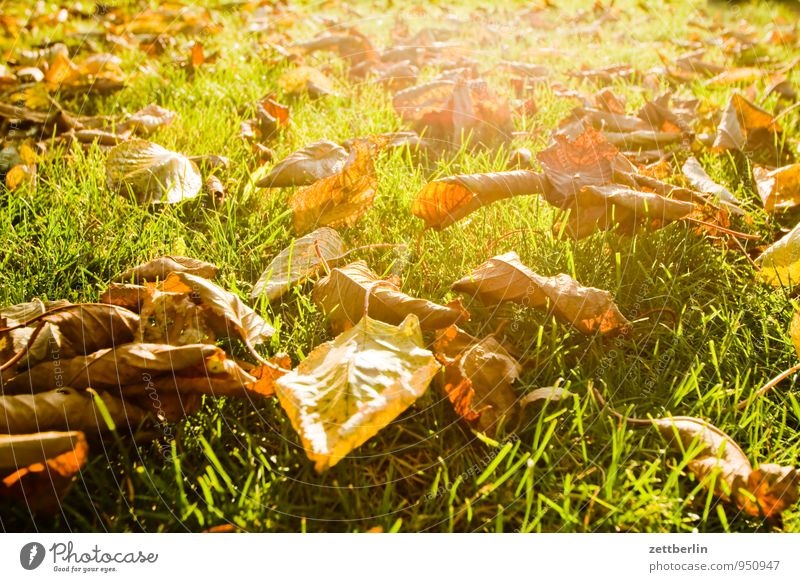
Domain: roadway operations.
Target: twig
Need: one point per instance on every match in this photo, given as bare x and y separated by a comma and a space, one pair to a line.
769, 385
723, 229
628, 419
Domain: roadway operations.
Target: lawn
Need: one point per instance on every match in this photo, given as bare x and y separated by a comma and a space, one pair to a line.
706, 334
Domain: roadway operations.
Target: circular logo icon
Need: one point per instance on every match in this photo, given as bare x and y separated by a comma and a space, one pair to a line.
31, 555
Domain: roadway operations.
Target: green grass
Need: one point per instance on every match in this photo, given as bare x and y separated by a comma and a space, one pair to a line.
568, 467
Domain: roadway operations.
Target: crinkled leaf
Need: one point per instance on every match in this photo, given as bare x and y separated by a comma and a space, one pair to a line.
342, 295
231, 316
160, 267
65, 409
779, 189
506, 278
347, 390
699, 179
340, 199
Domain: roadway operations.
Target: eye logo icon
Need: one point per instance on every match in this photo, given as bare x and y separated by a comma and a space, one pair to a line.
31, 555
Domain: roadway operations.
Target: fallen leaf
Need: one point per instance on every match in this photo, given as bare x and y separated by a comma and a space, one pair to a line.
151, 174
775, 488
147, 120
505, 278
605, 207
306, 79
342, 294
748, 128
780, 263
227, 315
160, 267
478, 381
699, 179
43, 466
347, 390
442, 202
340, 199
299, 261
314, 162
780, 188
65, 409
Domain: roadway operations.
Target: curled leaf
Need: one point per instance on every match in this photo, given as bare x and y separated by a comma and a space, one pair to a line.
506, 278
160, 267
442, 202
779, 189
342, 295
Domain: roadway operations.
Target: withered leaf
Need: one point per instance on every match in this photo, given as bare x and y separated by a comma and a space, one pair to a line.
699, 179
125, 295
780, 263
342, 294
229, 316
299, 261
775, 488
347, 390
160, 267
306, 79
110, 367
780, 188
340, 199
148, 119
478, 380
506, 278
587, 160
442, 202
314, 162
65, 409
152, 174
42, 466
748, 128
605, 207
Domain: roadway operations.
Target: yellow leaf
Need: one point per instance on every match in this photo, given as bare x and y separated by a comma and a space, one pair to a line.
347, 390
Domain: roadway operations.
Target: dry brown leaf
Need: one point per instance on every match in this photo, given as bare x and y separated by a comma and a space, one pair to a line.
779, 189
125, 295
347, 390
605, 207
312, 163
442, 202
748, 128
226, 314
147, 120
340, 199
43, 466
65, 409
505, 278
775, 488
160, 267
342, 294
305, 79
299, 261
779, 264
109, 367
478, 378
